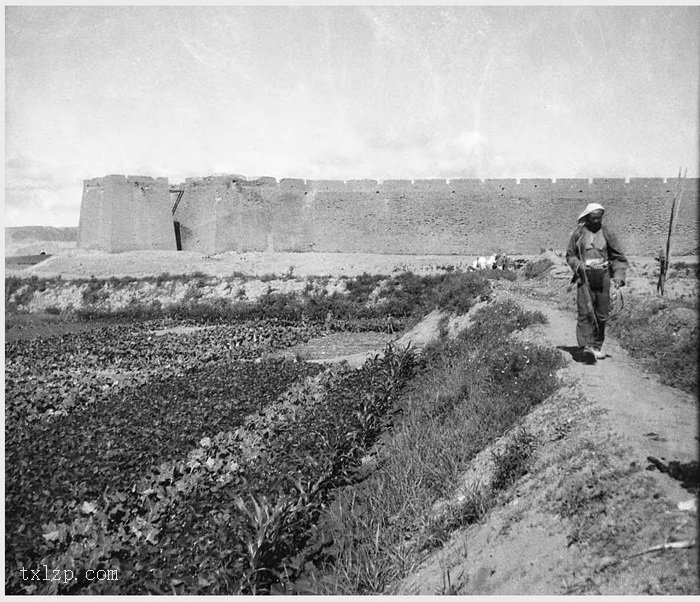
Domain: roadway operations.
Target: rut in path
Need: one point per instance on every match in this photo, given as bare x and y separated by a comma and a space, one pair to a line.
656, 420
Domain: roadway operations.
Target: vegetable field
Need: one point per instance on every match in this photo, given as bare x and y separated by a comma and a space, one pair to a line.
179, 456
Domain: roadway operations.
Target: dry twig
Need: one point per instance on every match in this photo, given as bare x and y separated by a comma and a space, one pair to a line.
673, 545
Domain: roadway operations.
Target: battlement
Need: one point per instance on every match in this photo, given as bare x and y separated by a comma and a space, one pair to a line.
361, 185
390, 186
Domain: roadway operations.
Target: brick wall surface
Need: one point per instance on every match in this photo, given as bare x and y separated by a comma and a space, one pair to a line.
120, 213
460, 216
95, 225
149, 199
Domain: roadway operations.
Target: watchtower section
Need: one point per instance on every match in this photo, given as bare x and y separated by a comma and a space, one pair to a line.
126, 213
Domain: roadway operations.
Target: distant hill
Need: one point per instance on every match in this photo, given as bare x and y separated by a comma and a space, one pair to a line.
30, 240
67, 234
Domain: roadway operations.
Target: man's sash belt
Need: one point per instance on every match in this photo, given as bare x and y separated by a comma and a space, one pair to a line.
597, 267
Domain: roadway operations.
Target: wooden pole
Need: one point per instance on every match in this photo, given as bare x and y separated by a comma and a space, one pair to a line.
666, 261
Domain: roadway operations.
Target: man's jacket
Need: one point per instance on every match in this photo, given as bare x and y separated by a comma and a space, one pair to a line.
617, 262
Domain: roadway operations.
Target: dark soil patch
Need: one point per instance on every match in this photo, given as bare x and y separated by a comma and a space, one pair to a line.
22, 327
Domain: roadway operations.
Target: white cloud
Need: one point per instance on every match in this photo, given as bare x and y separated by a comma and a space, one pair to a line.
557, 109
385, 26
469, 141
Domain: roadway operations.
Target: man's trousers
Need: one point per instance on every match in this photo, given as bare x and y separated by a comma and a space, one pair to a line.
590, 331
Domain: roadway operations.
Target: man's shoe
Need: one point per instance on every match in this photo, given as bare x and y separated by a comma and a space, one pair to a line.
599, 354
589, 355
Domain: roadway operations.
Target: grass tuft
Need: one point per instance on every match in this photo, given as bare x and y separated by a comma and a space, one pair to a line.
514, 461
536, 268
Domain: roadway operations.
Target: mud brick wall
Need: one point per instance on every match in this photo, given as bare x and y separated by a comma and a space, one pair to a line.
120, 213
244, 216
95, 223
460, 216
196, 211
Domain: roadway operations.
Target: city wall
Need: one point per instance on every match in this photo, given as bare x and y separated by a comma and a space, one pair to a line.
231, 213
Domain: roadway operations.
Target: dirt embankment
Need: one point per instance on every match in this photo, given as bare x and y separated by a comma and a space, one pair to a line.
70, 296
589, 513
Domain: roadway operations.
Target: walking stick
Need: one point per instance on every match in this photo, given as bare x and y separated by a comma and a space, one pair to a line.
666, 261
584, 278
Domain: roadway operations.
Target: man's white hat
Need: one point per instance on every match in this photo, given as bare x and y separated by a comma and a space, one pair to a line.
590, 208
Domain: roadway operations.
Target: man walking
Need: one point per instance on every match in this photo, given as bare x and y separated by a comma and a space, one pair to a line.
594, 254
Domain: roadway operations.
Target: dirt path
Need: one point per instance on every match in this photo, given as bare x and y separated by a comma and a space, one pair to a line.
655, 419
582, 518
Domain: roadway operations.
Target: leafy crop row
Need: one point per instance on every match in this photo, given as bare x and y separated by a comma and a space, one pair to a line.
58, 374
232, 514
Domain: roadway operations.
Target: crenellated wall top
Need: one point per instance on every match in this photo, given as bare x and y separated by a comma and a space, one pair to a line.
394, 186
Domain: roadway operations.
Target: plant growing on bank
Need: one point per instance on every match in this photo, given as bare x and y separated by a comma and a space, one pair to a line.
369, 303
19, 291
657, 334
536, 268
94, 292
468, 393
514, 461
687, 268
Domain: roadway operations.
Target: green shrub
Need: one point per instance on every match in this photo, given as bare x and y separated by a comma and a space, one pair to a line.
687, 268
269, 277
458, 291
360, 287
27, 286
536, 268
123, 281
670, 353
94, 292
497, 320
409, 295
12, 287
162, 278
506, 274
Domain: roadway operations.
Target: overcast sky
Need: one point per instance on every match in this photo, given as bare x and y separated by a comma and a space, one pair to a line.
342, 93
